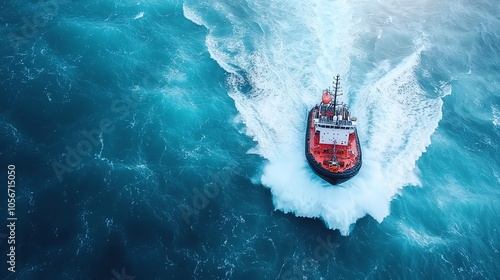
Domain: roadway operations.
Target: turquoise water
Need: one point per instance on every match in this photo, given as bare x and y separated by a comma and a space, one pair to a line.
164, 139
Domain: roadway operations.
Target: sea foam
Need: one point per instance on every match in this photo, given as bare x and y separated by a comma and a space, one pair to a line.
285, 74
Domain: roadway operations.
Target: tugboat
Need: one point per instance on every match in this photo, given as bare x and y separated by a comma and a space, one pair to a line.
332, 144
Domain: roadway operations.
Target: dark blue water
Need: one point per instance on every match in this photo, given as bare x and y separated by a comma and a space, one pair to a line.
163, 140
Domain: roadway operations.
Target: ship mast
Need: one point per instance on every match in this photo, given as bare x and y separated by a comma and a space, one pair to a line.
337, 81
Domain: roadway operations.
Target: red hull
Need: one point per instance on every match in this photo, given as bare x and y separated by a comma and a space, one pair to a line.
319, 155
347, 155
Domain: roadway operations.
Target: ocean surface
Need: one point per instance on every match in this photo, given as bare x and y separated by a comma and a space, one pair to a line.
164, 139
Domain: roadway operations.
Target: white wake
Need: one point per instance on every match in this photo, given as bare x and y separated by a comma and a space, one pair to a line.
279, 56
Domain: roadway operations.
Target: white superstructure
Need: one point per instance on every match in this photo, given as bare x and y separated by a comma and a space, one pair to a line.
332, 121
334, 129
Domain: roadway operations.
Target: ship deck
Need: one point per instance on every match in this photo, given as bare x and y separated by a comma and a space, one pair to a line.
347, 155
